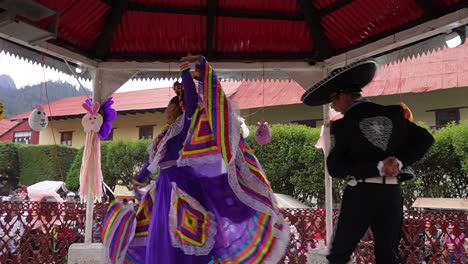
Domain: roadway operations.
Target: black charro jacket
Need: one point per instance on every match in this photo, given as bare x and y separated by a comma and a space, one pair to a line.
367, 134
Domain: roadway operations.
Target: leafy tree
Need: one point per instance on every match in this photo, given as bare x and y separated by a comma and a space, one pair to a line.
292, 163
9, 167
443, 171
459, 134
123, 161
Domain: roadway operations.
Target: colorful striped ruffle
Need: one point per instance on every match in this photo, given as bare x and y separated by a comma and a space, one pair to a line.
259, 243
201, 140
209, 132
118, 230
143, 215
184, 66
253, 163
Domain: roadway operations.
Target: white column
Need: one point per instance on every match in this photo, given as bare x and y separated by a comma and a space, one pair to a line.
90, 204
328, 179
105, 83
110, 81
89, 252
96, 75
306, 79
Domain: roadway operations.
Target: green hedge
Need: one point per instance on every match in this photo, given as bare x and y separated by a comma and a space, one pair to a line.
295, 167
443, 171
293, 164
39, 163
73, 175
9, 167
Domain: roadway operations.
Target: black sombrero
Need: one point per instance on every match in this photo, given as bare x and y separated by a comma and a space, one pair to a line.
350, 78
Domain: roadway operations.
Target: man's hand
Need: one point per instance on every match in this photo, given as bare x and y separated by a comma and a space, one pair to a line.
189, 58
391, 168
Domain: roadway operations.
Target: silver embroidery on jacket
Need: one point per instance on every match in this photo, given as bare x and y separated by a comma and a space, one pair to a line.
332, 141
377, 130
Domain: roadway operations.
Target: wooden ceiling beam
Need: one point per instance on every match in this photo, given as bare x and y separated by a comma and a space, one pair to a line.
212, 6
322, 47
118, 8
253, 14
333, 7
429, 7
201, 11
219, 57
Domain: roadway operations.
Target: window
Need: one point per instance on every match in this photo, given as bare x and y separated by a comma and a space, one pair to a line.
23, 137
146, 132
445, 116
309, 123
66, 138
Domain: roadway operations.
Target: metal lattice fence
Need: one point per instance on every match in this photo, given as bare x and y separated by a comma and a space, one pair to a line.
34, 232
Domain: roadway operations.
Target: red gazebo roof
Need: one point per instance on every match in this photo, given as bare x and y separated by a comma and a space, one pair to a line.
149, 30
440, 69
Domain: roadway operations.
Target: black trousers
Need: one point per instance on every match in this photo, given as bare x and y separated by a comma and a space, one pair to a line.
378, 206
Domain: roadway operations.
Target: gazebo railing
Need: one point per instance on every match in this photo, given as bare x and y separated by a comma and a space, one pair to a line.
435, 236
34, 232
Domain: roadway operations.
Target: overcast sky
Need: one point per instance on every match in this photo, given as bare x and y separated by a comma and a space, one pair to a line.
25, 73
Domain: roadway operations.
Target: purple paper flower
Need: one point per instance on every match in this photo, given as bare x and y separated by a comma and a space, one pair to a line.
109, 114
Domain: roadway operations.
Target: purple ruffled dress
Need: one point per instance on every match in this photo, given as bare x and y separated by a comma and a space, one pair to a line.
204, 211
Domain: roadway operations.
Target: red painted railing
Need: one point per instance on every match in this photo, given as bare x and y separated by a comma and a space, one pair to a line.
436, 236
32, 232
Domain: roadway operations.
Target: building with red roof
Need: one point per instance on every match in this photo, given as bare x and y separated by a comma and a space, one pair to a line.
424, 83
18, 131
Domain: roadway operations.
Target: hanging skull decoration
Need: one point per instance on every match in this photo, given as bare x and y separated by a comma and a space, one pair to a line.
92, 121
263, 133
38, 119
2, 111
